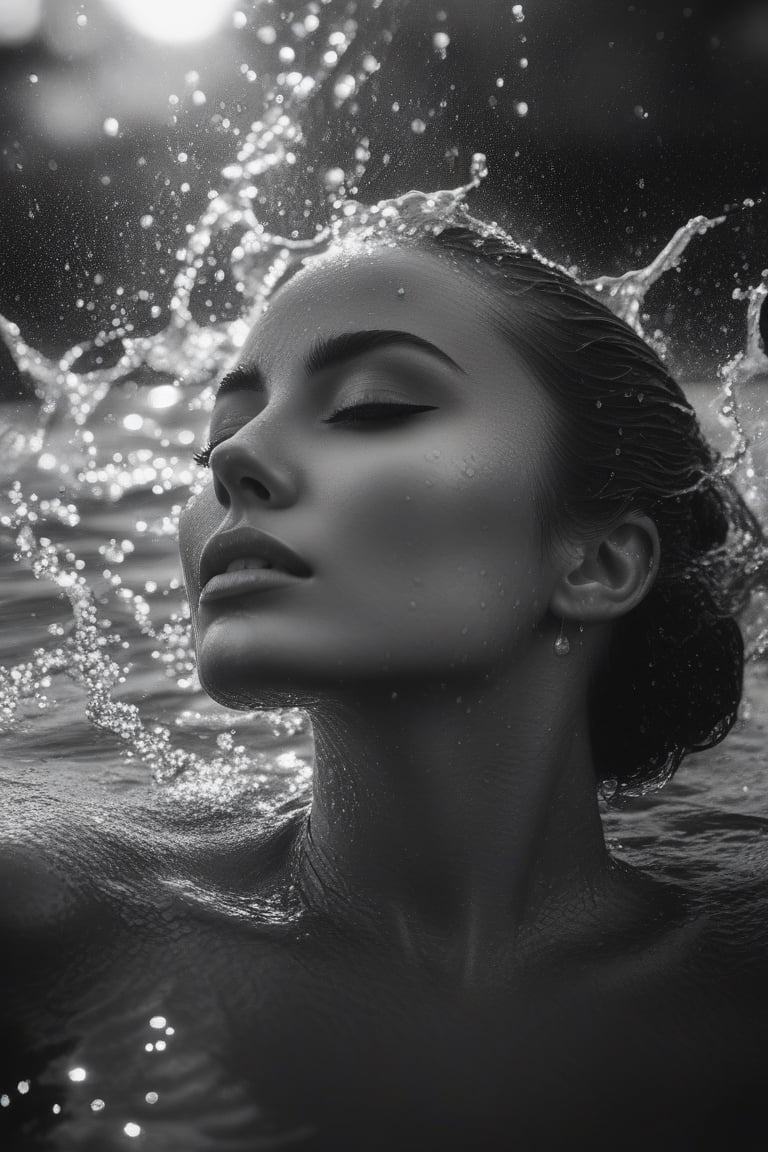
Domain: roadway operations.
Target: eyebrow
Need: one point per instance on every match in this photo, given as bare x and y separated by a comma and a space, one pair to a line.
330, 352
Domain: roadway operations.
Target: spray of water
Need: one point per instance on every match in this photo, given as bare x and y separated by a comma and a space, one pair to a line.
187, 357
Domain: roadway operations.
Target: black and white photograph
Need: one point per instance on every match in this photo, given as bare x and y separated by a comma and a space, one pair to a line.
383, 576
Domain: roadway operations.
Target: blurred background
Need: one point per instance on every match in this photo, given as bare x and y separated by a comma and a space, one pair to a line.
606, 125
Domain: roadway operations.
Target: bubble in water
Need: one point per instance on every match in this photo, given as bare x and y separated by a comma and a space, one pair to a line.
111, 126
418, 126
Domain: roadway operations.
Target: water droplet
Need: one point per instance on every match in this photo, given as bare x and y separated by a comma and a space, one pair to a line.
97, 1105
111, 126
418, 126
151, 1097
132, 1129
401, 291
158, 1022
77, 1075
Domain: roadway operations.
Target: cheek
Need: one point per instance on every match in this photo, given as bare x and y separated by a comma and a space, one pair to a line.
450, 536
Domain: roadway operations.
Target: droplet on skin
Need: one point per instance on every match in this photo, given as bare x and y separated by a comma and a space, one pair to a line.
111, 126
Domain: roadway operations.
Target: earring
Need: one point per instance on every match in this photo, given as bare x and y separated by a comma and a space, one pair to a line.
562, 645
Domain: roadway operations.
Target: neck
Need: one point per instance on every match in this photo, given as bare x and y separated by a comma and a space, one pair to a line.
455, 816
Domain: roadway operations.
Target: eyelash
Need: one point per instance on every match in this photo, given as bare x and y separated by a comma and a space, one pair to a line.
383, 412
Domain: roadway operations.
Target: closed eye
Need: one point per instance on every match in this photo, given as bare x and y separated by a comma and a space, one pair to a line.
369, 412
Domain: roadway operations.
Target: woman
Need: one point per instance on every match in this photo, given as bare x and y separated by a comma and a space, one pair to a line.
460, 513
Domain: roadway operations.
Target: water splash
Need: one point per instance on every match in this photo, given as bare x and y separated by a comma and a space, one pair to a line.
625, 294
182, 361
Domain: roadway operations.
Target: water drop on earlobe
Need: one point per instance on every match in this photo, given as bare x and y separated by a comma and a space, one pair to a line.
562, 646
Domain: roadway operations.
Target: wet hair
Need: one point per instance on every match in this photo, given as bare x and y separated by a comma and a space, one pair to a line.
627, 439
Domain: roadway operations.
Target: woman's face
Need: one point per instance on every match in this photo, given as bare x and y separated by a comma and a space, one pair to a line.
420, 524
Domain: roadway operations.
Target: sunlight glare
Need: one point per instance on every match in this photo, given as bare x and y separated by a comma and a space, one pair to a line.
173, 21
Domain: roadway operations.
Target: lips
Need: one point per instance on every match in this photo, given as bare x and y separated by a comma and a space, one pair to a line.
248, 544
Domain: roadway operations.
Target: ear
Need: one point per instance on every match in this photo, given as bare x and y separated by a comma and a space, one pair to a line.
609, 576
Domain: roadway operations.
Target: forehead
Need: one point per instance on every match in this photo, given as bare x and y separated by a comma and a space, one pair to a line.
432, 295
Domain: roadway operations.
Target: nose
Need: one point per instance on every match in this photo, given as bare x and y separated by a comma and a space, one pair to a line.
244, 477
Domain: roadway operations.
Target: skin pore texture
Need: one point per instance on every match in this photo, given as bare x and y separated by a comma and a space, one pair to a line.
463, 964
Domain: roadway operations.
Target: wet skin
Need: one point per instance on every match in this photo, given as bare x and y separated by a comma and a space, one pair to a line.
444, 955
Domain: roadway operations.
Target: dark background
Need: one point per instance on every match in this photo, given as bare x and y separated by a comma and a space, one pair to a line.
639, 116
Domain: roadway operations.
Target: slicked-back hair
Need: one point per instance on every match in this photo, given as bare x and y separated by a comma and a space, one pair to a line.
627, 439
